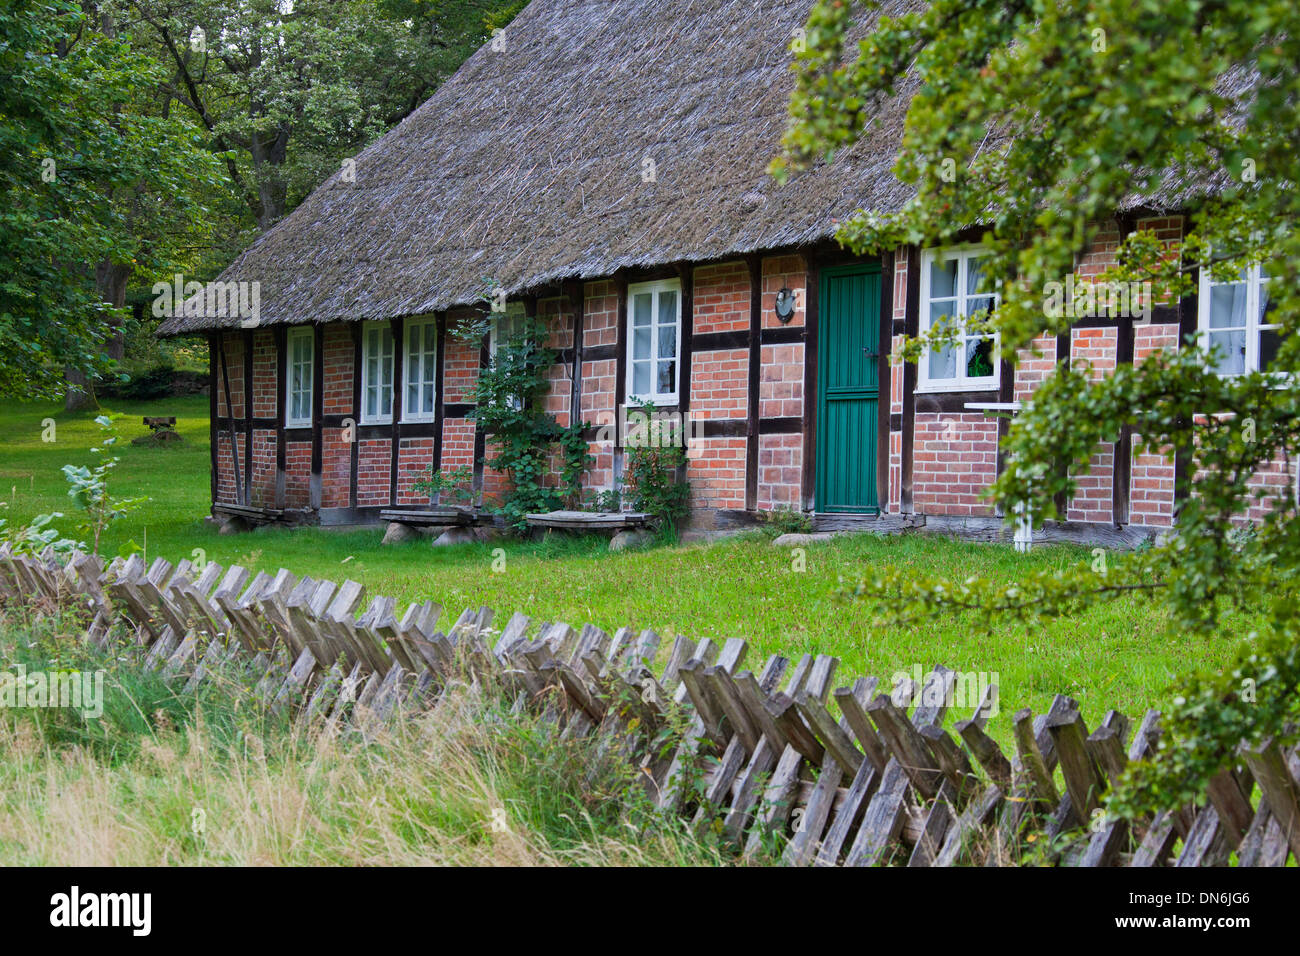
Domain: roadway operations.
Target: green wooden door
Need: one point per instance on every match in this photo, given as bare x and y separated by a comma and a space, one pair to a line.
848, 389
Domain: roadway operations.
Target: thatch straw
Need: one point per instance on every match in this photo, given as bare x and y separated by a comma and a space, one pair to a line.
526, 166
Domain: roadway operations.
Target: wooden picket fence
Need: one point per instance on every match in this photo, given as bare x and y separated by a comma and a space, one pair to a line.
763, 758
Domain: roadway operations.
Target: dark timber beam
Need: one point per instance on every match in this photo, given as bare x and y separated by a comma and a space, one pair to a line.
353, 451
248, 416
439, 403
883, 383
214, 345
620, 371
1064, 346
911, 319
808, 474
755, 345
281, 336
1122, 462
317, 409
574, 293
398, 327
230, 411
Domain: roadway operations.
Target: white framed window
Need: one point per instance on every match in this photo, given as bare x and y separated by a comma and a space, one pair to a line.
420, 379
1233, 320
950, 279
654, 333
300, 369
505, 325
376, 373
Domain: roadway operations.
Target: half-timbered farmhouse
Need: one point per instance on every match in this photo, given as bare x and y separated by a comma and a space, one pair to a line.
603, 162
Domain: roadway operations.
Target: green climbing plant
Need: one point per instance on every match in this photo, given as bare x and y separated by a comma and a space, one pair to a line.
509, 398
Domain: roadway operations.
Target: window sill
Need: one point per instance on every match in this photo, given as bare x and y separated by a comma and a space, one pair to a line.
661, 403
946, 388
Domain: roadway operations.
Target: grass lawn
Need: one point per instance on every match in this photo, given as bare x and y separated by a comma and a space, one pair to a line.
1122, 656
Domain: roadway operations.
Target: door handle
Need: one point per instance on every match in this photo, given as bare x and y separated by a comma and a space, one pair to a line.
870, 354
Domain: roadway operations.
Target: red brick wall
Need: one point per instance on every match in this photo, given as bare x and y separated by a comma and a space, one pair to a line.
1151, 473
780, 381
1274, 482
336, 468
457, 443
1095, 350
225, 466
780, 469
1033, 365
1156, 337
558, 318
460, 361
721, 298
297, 474
265, 399
780, 388
414, 459
600, 378
954, 461
261, 491
790, 272
720, 384
374, 467
338, 357
1151, 486
717, 473
232, 344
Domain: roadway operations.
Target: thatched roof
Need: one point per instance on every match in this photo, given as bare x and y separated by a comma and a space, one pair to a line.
526, 166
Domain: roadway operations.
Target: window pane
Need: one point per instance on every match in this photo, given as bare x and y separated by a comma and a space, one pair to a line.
667, 374
1269, 340
640, 378
974, 273
667, 341
1265, 306
430, 338
943, 278
979, 303
668, 308
1231, 347
428, 406
412, 398
641, 343
641, 308
979, 358
943, 363
941, 316
1228, 306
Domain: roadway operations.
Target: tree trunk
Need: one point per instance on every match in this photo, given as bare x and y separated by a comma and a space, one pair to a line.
110, 283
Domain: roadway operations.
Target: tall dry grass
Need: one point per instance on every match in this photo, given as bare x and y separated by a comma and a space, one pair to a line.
216, 780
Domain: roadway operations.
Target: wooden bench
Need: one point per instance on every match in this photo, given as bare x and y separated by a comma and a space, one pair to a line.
248, 512
159, 422
588, 520
450, 515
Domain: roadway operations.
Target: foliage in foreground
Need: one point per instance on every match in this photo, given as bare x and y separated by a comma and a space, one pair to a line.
1031, 124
